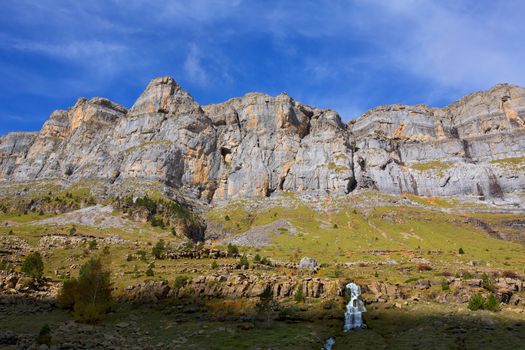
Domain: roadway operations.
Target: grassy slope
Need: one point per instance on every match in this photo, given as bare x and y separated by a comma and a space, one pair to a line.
352, 234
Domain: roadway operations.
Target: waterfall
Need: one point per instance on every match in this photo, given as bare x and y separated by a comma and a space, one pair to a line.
328, 344
354, 308
353, 314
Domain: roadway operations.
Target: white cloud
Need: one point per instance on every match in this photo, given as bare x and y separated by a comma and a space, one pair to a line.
193, 67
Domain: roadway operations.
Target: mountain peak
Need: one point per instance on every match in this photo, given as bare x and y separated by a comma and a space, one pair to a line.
164, 95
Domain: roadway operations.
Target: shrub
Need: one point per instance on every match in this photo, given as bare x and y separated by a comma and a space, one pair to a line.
129, 258
105, 250
142, 254
265, 305
33, 265
4, 265
487, 283
150, 272
72, 231
158, 249
338, 272
92, 244
214, 265
476, 302
445, 285
424, 267
233, 250
243, 261
266, 261
299, 294
509, 274
41, 212
44, 336
90, 294
467, 275
491, 303
156, 222
173, 231
461, 251
257, 258
227, 218
180, 281
335, 226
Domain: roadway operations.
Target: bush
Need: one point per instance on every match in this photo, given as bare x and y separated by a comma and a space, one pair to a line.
233, 250
92, 244
338, 272
445, 285
33, 265
467, 275
461, 251
243, 261
180, 281
142, 254
265, 305
424, 267
90, 294
188, 245
150, 272
158, 249
129, 258
214, 265
4, 265
227, 218
156, 222
266, 261
72, 231
44, 336
509, 274
299, 294
477, 302
486, 283
257, 258
491, 303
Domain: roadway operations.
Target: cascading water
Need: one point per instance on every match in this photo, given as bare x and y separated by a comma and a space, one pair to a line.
354, 308
353, 314
328, 344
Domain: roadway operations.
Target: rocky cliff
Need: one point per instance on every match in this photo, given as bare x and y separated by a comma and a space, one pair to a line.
257, 145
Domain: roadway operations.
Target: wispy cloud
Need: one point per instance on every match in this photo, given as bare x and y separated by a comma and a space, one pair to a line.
193, 67
349, 55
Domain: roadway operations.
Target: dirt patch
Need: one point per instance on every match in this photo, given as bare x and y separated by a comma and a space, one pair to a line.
95, 216
261, 235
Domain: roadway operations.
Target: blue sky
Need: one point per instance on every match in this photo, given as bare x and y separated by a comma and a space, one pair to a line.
346, 55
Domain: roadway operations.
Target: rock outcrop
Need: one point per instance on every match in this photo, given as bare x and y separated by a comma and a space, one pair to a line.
257, 145
235, 286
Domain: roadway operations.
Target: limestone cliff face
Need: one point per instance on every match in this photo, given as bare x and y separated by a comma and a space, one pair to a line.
473, 147
257, 144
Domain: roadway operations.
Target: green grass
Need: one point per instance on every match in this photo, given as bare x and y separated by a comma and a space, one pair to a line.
432, 165
518, 163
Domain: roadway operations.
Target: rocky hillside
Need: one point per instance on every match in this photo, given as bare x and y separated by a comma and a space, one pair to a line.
257, 144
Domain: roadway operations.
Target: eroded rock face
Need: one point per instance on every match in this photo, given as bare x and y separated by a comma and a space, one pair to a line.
257, 144
235, 286
449, 151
